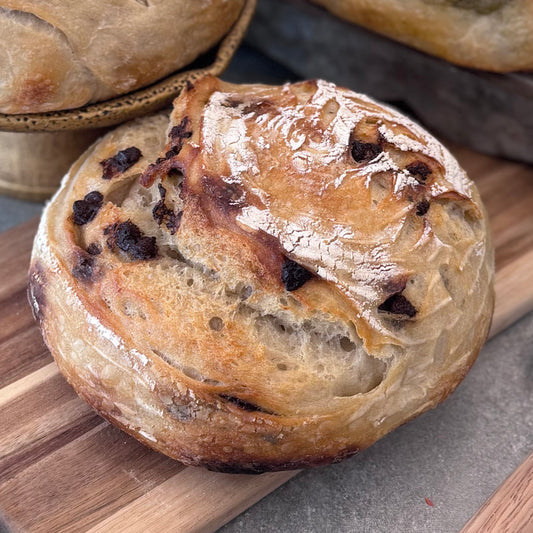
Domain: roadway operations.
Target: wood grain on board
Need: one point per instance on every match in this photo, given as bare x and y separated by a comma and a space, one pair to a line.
82, 474
510, 508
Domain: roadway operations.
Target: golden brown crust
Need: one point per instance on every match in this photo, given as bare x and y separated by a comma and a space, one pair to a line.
494, 35
304, 271
63, 54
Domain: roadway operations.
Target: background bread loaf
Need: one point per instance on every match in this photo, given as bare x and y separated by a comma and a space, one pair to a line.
63, 54
494, 35
284, 277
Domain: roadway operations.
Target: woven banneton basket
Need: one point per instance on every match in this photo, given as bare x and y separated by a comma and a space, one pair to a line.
37, 149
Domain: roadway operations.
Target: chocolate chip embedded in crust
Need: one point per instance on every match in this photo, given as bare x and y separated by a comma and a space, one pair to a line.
84, 268
171, 153
83, 211
398, 304
94, 197
293, 275
180, 131
129, 238
120, 162
94, 248
419, 170
163, 214
422, 208
364, 152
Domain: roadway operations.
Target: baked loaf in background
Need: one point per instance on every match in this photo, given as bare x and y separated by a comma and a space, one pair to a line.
275, 280
494, 35
62, 54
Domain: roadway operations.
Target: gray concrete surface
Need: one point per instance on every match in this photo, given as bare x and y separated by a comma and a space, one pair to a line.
455, 455
14, 212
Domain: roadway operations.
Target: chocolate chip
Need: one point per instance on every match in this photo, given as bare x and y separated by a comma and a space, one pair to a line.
293, 275
120, 162
398, 304
164, 215
94, 249
83, 211
129, 238
171, 153
419, 170
364, 152
84, 268
94, 197
180, 131
422, 208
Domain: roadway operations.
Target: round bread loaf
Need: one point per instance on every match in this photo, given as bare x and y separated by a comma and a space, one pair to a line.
62, 54
492, 35
275, 280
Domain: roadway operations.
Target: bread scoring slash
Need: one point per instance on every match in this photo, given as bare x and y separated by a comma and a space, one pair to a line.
283, 276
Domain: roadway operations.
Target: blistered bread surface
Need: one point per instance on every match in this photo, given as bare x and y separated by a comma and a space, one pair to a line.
275, 279
63, 54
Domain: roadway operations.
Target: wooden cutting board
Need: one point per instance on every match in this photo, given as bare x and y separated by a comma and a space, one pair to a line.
63, 468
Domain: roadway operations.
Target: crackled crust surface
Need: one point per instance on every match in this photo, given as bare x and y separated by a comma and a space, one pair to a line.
63, 54
494, 35
275, 279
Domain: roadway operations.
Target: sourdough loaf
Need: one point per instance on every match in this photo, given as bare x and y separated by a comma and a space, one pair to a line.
494, 35
274, 280
62, 54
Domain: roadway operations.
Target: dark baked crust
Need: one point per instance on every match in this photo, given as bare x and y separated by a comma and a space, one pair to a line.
246, 311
